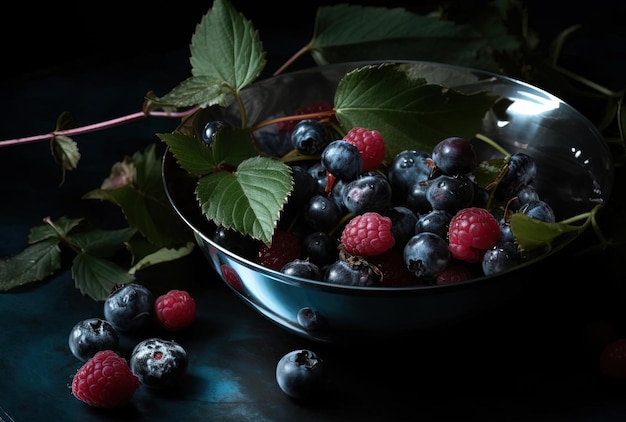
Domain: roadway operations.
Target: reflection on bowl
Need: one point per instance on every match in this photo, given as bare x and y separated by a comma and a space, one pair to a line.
575, 173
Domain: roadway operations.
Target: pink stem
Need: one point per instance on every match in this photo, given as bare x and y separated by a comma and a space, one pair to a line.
100, 126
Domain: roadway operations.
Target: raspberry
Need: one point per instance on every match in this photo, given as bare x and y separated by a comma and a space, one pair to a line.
370, 144
105, 381
289, 125
285, 248
368, 234
613, 359
175, 310
471, 232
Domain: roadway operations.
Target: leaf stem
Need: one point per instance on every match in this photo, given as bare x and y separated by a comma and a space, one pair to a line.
493, 144
107, 124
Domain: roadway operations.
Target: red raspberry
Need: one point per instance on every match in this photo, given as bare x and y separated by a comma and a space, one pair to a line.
230, 275
308, 109
105, 380
285, 248
368, 234
175, 310
471, 232
613, 359
370, 144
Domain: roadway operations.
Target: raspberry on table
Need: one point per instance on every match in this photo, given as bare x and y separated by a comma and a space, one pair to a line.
175, 309
370, 144
105, 381
471, 232
368, 234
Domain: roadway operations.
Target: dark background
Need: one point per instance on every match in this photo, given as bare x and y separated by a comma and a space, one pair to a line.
46, 35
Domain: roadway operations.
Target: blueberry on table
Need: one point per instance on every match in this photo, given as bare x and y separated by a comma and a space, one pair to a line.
301, 374
129, 307
158, 363
90, 336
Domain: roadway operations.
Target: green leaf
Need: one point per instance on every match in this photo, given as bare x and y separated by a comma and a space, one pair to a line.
63, 227
34, 263
95, 277
145, 204
160, 256
203, 91
352, 33
225, 46
102, 243
249, 200
230, 147
531, 233
408, 112
190, 153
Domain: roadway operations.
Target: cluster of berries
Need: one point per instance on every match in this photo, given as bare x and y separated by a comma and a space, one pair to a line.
108, 380
353, 218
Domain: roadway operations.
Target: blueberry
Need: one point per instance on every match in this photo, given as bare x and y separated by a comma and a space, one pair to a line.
90, 336
454, 155
310, 137
342, 159
302, 268
450, 193
521, 170
129, 307
354, 272
322, 213
435, 221
369, 192
301, 374
320, 248
211, 129
407, 168
500, 257
403, 222
244, 246
539, 210
158, 363
426, 255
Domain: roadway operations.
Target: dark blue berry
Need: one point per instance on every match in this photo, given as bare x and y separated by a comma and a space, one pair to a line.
311, 320
450, 193
501, 257
454, 155
435, 221
407, 168
158, 363
320, 248
352, 273
234, 241
310, 137
426, 255
403, 222
322, 213
370, 192
90, 336
301, 374
129, 307
539, 210
342, 159
211, 129
302, 268
521, 170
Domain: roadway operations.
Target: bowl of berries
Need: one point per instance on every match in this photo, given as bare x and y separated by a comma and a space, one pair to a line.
360, 200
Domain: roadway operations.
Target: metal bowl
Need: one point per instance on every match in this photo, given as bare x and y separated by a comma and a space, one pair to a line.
575, 173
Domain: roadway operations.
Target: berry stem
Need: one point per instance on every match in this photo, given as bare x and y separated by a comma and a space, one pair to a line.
492, 143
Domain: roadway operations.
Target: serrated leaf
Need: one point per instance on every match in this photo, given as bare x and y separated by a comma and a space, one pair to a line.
249, 200
66, 121
353, 33
162, 255
190, 153
102, 243
203, 91
63, 227
65, 152
226, 47
409, 112
34, 263
95, 277
145, 204
531, 233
